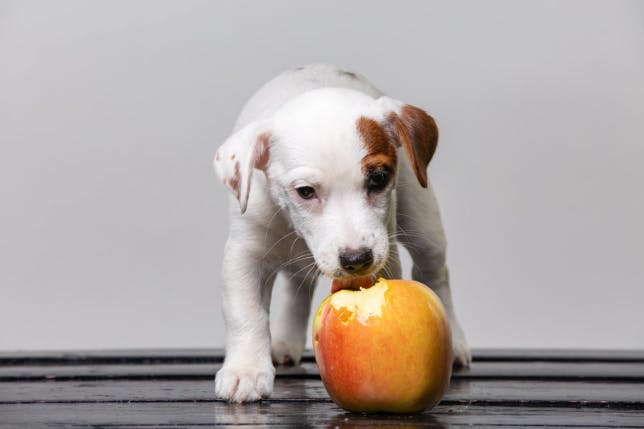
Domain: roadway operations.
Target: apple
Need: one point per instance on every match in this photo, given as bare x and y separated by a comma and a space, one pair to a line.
386, 348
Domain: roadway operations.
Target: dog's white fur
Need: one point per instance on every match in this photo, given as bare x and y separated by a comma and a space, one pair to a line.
299, 130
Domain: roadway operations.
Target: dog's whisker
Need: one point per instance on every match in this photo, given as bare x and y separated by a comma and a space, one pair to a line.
301, 269
404, 239
302, 258
407, 215
387, 272
299, 258
290, 251
312, 270
307, 267
410, 245
278, 242
268, 228
269, 278
314, 276
406, 232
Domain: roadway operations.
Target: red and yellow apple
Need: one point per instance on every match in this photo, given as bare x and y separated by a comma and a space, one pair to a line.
386, 348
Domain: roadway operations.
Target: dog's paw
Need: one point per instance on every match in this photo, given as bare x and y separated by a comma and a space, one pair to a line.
244, 384
461, 352
285, 352
460, 349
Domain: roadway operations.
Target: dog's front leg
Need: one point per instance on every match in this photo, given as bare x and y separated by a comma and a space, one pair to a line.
248, 373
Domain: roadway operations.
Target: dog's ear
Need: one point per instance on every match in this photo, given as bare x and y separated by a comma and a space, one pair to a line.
412, 128
241, 153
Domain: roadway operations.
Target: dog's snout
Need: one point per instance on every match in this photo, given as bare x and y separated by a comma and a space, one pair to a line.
356, 260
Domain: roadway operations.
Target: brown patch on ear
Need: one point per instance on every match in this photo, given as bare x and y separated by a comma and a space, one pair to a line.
418, 133
235, 182
262, 150
381, 153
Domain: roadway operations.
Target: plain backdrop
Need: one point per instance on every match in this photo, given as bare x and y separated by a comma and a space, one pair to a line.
112, 222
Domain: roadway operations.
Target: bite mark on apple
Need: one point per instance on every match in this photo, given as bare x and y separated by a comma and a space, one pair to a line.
362, 304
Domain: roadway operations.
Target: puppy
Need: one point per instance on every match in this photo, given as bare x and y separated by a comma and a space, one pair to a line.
326, 176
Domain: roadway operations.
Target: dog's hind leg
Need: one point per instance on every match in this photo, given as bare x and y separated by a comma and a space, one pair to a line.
421, 232
290, 315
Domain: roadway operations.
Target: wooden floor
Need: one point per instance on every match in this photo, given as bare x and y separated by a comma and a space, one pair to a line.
141, 389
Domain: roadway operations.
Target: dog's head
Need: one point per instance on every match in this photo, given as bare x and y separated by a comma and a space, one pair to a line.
330, 157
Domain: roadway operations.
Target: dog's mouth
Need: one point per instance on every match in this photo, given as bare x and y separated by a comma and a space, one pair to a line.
353, 282
357, 280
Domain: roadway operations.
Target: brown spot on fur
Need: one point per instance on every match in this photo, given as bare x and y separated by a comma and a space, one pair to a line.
417, 132
235, 182
232, 157
262, 150
218, 156
381, 153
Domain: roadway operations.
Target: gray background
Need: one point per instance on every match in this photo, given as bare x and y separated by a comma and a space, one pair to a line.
112, 221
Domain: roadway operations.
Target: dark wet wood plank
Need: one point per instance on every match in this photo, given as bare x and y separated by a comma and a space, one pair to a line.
134, 356
541, 370
460, 391
521, 370
302, 415
64, 357
560, 355
510, 388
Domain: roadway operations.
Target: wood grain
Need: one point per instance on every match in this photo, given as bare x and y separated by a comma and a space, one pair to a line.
175, 388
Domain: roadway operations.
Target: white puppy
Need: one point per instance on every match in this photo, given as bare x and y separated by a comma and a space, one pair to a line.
326, 176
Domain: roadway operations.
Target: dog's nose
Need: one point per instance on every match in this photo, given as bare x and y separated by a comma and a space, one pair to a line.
356, 260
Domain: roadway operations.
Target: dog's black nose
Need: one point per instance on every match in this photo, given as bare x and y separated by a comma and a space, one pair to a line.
356, 260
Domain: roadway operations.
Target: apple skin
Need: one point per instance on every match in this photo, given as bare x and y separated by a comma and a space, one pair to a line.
387, 348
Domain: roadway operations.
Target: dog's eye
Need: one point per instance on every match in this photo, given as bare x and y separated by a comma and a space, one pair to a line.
306, 192
377, 180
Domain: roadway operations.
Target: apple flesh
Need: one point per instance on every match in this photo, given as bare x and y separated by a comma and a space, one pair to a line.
384, 349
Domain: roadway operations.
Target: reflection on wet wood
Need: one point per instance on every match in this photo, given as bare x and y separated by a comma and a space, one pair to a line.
159, 388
